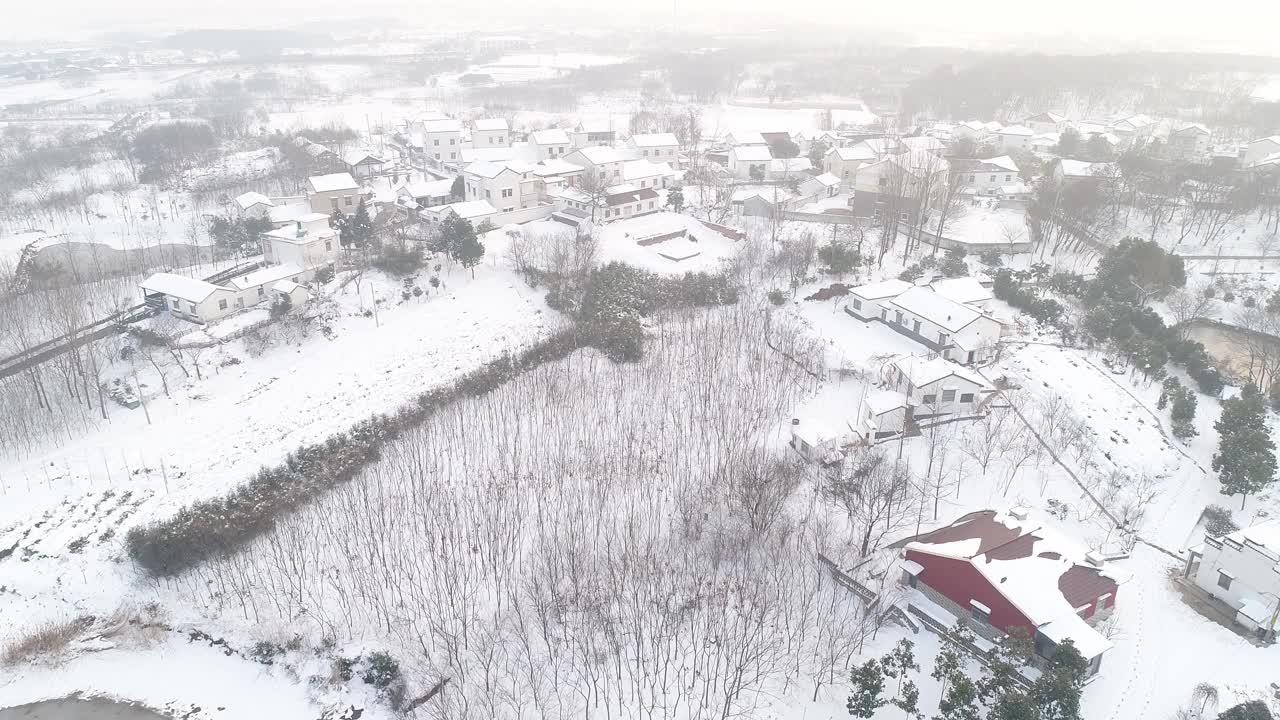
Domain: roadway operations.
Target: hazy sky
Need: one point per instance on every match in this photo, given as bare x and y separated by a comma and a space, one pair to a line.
1246, 25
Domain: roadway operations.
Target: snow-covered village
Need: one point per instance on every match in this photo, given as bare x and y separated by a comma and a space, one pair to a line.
713, 361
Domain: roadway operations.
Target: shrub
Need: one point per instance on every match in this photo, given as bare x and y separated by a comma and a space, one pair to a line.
1228, 296
777, 297
1218, 521
1250, 302
380, 670
991, 258
44, 640
265, 652
1210, 292
281, 307
324, 276
400, 260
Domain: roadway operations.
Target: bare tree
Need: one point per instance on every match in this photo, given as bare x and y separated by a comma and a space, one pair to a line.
876, 496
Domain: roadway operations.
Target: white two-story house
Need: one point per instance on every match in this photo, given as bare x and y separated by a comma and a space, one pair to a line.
442, 140
658, 147
550, 144
605, 163
1242, 570
507, 186
337, 191
490, 133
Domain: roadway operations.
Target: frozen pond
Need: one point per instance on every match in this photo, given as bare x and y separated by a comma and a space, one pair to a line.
70, 709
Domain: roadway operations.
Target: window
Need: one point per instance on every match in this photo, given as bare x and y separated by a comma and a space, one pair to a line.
192, 307
262, 292
898, 317
334, 202
453, 156
966, 397
948, 396
501, 139
929, 399
650, 204
646, 153
942, 338
437, 156
884, 314
915, 326
981, 613
970, 357
450, 141
222, 304
347, 199
176, 304
488, 195
436, 143
993, 178
1224, 579
507, 192
1007, 178
884, 182
239, 302
857, 304
328, 246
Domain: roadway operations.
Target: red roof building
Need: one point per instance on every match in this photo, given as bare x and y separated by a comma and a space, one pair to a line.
1004, 570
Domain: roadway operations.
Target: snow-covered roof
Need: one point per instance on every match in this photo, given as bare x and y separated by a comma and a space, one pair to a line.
751, 153
265, 276
880, 290
975, 125
857, 152
442, 125
1016, 130
922, 372
637, 169
467, 210
1265, 535
556, 166
885, 401
486, 169
355, 157
429, 188
285, 286
746, 138
1049, 117
250, 199
570, 193
827, 179
192, 290
1084, 169
554, 136
288, 212
1039, 570
603, 155
332, 182
961, 290
311, 217
654, 140
1004, 161
1192, 128
490, 125
943, 312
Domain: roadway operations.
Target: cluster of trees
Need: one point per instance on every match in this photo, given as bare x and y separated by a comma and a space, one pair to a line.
604, 547
1182, 408
999, 692
164, 149
238, 237
1012, 287
952, 265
